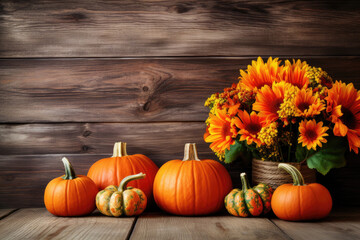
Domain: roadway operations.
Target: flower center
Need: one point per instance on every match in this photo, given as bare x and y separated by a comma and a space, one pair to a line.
311, 135
303, 106
253, 128
348, 118
226, 130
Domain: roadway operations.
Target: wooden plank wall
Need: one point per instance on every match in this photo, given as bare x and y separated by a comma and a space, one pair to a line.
76, 76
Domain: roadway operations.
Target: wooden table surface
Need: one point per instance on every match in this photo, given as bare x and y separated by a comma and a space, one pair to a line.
37, 223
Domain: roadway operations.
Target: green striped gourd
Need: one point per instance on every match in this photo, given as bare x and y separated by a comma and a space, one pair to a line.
249, 201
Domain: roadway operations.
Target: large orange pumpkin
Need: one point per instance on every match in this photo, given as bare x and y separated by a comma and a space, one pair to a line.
70, 195
191, 186
298, 201
110, 171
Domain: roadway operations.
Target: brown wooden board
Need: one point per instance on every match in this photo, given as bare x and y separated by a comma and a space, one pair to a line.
161, 140
4, 212
39, 224
162, 226
127, 90
178, 28
338, 225
24, 178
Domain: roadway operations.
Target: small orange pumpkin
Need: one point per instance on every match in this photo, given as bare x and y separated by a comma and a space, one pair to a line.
249, 201
191, 186
114, 201
110, 171
298, 201
70, 195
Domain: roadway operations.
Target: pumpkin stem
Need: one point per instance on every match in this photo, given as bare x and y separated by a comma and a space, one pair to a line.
127, 179
190, 152
69, 170
119, 149
294, 172
244, 182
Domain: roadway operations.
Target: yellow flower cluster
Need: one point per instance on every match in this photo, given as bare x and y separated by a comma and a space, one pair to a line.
210, 101
319, 79
287, 108
268, 134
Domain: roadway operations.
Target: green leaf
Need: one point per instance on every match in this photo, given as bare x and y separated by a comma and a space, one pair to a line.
302, 153
237, 150
331, 155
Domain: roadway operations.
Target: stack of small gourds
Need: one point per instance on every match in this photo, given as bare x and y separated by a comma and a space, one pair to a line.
122, 185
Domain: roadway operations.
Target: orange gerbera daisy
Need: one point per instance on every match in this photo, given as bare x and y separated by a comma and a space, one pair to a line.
343, 103
260, 74
308, 105
250, 126
221, 132
295, 73
312, 134
269, 99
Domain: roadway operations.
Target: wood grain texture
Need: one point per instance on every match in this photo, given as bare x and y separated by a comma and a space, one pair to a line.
23, 178
4, 212
40, 224
162, 226
338, 225
159, 140
178, 28
124, 90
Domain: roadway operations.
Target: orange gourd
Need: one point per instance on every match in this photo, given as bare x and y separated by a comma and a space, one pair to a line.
110, 171
70, 195
121, 201
191, 186
298, 201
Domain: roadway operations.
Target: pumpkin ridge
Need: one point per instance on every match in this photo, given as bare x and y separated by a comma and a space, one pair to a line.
140, 161
176, 186
66, 197
103, 176
219, 180
161, 184
116, 168
235, 206
243, 205
314, 196
77, 192
134, 182
201, 166
194, 188
53, 195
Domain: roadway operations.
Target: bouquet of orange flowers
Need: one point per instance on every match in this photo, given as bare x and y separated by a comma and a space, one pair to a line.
289, 112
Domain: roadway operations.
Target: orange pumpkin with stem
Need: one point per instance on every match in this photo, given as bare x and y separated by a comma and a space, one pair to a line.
71, 194
191, 186
298, 201
110, 171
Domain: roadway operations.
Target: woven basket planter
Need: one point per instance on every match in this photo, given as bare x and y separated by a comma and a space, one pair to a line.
268, 172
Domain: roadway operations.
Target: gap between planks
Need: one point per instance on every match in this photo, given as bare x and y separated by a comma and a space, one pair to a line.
7, 212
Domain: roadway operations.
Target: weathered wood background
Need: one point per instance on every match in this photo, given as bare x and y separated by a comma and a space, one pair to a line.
76, 76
